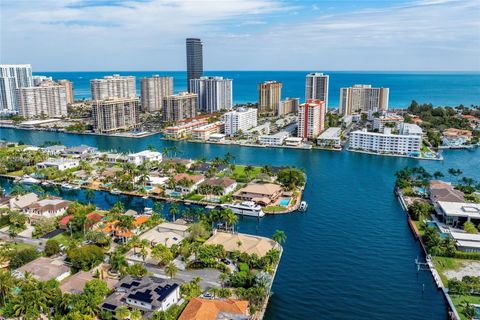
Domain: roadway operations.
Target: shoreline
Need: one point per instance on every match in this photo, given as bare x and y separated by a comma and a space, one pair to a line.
394, 155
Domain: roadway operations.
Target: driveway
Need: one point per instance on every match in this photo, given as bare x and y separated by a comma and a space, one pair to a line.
209, 276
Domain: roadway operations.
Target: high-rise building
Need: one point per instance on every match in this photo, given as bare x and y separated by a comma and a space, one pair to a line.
12, 77
179, 107
269, 96
240, 119
115, 114
39, 79
316, 87
47, 100
363, 98
69, 89
153, 90
115, 86
311, 118
289, 105
386, 142
214, 93
194, 60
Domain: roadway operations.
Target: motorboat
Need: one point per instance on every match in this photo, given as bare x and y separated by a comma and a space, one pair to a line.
303, 206
29, 180
245, 208
115, 191
147, 210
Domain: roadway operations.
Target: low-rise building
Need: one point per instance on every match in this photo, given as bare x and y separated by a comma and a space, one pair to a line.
166, 233
54, 150
80, 150
410, 129
389, 119
75, 284
453, 137
466, 242
332, 137
20, 202
226, 184
276, 139
147, 294
457, 213
59, 164
244, 243
208, 309
386, 142
204, 132
184, 129
44, 269
444, 191
293, 141
46, 208
264, 194
186, 183
143, 156
217, 137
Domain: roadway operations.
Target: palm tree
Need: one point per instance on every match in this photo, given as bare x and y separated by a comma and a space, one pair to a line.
122, 313
171, 270
223, 277
7, 281
279, 236
173, 210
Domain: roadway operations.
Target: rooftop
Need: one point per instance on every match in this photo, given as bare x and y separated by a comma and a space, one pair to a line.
460, 209
331, 133
205, 309
248, 243
76, 283
44, 269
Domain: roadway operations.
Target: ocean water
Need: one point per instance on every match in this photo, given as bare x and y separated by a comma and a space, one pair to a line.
350, 256
443, 89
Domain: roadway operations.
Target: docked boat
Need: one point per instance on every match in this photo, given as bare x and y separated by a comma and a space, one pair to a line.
45, 183
115, 191
147, 210
246, 208
66, 185
29, 180
303, 206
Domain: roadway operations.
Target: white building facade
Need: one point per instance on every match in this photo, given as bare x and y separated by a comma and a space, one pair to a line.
12, 77
47, 100
385, 142
115, 86
240, 119
316, 87
214, 93
153, 90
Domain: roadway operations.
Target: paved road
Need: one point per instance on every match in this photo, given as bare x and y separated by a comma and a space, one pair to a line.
40, 243
209, 276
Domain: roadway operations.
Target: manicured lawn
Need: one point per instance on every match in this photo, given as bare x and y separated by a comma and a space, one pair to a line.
273, 209
458, 301
21, 246
63, 238
195, 197
18, 173
239, 173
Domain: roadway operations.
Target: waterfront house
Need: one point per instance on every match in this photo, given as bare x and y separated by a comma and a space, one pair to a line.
226, 184
244, 243
214, 309
80, 150
44, 269
147, 294
46, 208
453, 137
59, 164
457, 213
166, 233
21, 201
466, 241
143, 156
330, 138
444, 191
186, 183
116, 158
263, 194
54, 150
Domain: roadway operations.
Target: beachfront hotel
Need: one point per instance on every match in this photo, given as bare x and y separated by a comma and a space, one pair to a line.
311, 118
214, 93
194, 60
363, 98
386, 142
115, 86
153, 90
316, 87
269, 96
239, 120
12, 77
179, 107
49, 99
115, 114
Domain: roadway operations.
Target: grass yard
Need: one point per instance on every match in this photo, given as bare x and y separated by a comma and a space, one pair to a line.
444, 263
195, 197
458, 301
63, 238
273, 209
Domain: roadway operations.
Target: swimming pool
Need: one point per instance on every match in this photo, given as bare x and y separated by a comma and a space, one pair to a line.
284, 202
148, 188
434, 225
175, 194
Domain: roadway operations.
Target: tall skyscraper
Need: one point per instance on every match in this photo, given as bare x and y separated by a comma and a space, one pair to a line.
49, 99
115, 114
179, 107
311, 119
214, 93
153, 90
194, 60
269, 96
69, 89
363, 98
289, 105
115, 86
12, 77
316, 87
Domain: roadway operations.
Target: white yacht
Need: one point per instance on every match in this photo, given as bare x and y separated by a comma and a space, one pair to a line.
246, 208
115, 191
303, 206
66, 185
147, 210
29, 180
46, 183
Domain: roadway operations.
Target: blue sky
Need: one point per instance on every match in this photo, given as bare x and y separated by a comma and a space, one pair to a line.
58, 35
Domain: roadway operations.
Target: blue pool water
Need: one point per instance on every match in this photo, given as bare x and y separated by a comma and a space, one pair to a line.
284, 202
148, 188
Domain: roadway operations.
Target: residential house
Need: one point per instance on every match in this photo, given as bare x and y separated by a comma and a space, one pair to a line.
453, 137
186, 183
59, 164
226, 184
214, 309
457, 213
147, 294
80, 150
444, 191
46, 208
44, 269
146, 155
75, 284
54, 150
263, 194
244, 243
21, 201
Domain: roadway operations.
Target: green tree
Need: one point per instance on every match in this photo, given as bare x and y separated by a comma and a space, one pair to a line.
136, 270
291, 178
420, 210
469, 227
161, 253
279, 236
136, 315
171, 269
85, 258
51, 247
122, 313
7, 282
